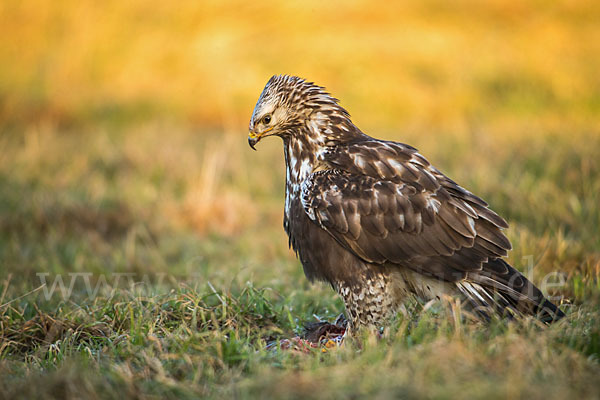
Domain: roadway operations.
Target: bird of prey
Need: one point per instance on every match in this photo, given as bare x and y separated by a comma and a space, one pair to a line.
378, 222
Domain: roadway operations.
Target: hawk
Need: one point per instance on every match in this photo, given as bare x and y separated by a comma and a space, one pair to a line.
378, 222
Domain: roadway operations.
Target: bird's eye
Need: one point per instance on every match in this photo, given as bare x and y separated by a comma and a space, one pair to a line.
267, 119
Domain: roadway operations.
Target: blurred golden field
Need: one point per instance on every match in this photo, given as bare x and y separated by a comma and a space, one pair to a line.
414, 64
123, 152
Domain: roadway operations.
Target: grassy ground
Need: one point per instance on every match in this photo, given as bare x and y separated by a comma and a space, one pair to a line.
141, 243
180, 272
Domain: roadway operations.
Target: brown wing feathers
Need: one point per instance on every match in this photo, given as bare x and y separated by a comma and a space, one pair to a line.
381, 221
386, 203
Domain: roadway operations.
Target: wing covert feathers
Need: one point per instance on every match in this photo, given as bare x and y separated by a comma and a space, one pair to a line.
385, 203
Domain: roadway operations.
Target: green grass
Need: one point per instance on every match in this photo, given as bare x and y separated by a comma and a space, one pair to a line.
178, 237
124, 169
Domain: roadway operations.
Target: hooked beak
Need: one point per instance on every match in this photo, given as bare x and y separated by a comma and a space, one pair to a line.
254, 138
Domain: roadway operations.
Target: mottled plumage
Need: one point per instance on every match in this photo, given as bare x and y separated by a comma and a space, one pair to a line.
377, 221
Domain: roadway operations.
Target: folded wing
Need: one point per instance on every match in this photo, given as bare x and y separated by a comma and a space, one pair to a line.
387, 204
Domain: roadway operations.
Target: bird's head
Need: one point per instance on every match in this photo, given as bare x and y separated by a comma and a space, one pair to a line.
287, 104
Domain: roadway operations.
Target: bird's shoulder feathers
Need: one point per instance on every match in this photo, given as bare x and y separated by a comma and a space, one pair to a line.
384, 202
